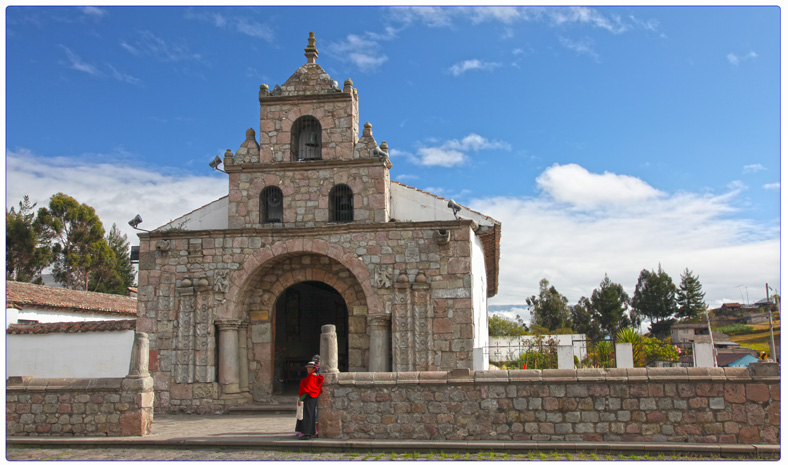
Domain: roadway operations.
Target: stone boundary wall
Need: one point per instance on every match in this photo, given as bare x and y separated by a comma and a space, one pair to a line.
79, 406
682, 405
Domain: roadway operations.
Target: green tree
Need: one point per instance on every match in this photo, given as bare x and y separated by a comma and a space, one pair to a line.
76, 239
501, 326
583, 321
655, 299
550, 308
690, 296
115, 275
25, 255
609, 303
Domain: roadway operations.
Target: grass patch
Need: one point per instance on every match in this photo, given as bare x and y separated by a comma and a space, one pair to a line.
736, 329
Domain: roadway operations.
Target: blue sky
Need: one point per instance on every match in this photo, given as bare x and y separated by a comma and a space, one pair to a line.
606, 139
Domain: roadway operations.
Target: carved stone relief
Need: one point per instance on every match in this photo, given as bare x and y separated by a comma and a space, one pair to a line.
383, 275
220, 281
184, 343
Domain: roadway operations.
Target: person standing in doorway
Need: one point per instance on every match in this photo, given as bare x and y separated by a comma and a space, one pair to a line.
310, 388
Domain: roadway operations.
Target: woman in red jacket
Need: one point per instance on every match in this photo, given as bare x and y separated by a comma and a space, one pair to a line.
310, 388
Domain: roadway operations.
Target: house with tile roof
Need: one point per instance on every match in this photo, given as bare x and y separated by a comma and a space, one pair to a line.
312, 232
33, 303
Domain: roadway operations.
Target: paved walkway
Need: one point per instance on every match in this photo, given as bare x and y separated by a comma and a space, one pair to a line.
276, 431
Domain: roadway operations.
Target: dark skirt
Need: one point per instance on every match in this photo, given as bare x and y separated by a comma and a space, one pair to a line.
307, 425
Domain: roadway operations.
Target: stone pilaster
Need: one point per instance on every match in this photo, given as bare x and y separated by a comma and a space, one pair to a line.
402, 326
243, 358
229, 373
379, 342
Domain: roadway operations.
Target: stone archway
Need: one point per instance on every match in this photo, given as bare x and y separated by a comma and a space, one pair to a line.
259, 310
244, 316
299, 314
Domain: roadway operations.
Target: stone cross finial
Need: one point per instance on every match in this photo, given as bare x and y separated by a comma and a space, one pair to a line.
311, 50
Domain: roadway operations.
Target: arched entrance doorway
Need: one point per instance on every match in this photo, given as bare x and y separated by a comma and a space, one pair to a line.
300, 312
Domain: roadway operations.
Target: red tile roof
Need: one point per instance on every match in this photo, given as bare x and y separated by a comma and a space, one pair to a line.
56, 298
73, 327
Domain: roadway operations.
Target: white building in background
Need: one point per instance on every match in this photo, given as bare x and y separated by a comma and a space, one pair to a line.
31, 303
52, 332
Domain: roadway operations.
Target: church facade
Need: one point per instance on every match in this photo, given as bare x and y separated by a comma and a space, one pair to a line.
312, 232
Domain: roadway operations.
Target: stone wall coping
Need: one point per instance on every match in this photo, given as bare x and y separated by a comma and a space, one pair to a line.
16, 383
581, 376
314, 231
302, 166
433, 377
270, 100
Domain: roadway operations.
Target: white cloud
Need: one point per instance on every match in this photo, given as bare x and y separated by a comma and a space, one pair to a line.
582, 47
737, 59
453, 152
239, 24
574, 247
507, 15
75, 62
754, 168
502, 14
94, 12
148, 44
469, 65
429, 15
363, 51
116, 186
439, 156
574, 185
774, 185
123, 77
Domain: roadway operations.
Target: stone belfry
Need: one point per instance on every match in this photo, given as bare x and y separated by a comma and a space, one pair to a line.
309, 167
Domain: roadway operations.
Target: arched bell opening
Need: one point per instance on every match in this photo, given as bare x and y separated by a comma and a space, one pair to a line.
300, 312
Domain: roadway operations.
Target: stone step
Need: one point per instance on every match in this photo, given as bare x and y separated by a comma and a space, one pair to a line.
280, 405
262, 409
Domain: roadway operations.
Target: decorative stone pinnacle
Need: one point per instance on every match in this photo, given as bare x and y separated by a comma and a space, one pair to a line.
311, 50
384, 146
367, 129
263, 92
250, 134
348, 86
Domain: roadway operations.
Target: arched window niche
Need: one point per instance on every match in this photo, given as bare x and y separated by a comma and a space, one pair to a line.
271, 205
340, 204
306, 140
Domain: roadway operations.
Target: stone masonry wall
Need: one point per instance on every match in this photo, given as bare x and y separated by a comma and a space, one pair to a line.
189, 279
79, 407
305, 192
696, 405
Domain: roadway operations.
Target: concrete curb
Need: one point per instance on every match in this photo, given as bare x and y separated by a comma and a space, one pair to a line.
666, 449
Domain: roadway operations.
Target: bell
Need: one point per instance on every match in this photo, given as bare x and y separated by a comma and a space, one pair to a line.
312, 141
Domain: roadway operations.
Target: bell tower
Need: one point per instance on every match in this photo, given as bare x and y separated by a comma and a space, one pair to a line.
310, 150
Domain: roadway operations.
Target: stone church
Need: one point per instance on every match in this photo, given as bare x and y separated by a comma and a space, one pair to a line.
312, 232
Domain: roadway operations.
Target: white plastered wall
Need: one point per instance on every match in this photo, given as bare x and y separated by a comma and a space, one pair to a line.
105, 354
211, 216
479, 296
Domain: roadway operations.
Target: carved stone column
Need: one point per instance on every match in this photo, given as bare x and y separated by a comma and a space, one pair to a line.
379, 342
402, 326
229, 374
329, 354
243, 358
422, 324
